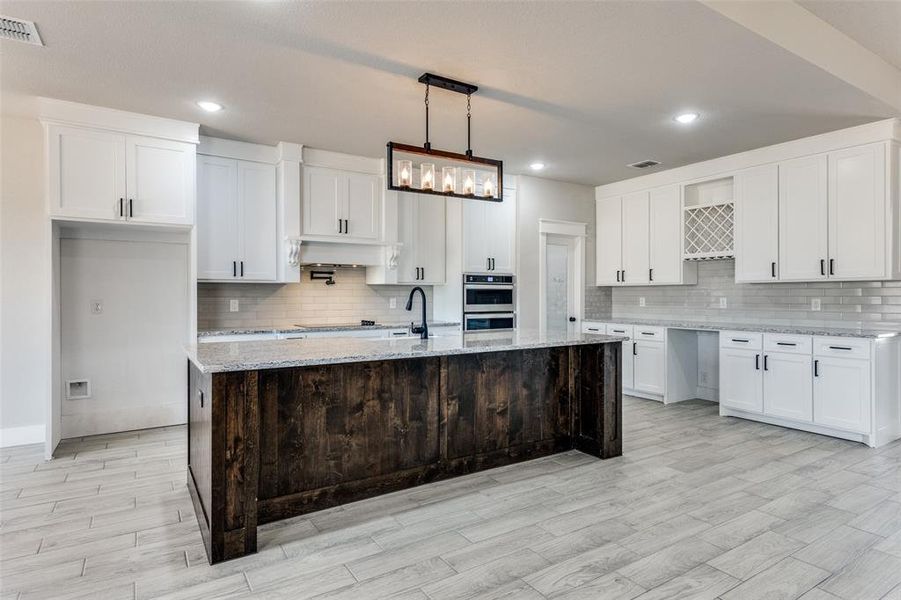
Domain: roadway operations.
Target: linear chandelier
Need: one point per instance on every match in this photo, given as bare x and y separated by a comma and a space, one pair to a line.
425, 170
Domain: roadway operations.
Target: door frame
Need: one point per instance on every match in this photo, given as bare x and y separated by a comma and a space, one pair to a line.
578, 233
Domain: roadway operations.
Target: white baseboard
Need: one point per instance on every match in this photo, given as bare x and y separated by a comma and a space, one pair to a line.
19, 436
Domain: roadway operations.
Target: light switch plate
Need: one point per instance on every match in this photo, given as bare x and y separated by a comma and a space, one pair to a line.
641, 301
723, 302
816, 304
392, 302
233, 306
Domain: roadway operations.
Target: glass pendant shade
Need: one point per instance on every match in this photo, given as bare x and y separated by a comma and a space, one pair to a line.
449, 179
405, 173
469, 182
427, 176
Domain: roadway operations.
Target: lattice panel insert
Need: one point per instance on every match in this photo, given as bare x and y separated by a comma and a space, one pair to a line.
709, 232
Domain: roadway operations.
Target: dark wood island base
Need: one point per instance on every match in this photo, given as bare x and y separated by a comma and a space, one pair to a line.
270, 444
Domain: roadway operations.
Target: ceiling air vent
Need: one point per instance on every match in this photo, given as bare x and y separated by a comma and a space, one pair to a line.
644, 164
19, 31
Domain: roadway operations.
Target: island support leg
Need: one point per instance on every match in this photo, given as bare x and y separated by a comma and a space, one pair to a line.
596, 388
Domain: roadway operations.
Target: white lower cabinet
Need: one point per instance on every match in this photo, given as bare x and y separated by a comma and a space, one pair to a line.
741, 383
650, 367
841, 393
788, 386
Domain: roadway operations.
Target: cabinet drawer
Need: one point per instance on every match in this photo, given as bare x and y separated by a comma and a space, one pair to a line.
794, 344
841, 346
649, 333
619, 329
741, 339
593, 327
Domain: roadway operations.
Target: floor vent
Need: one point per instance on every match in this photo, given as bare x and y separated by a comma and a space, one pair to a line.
19, 31
644, 164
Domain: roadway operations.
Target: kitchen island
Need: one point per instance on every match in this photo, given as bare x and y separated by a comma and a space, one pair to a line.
281, 428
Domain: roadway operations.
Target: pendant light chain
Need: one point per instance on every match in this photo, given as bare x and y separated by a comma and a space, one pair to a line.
469, 125
428, 145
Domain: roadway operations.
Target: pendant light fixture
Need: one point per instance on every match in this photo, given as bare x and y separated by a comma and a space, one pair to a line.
441, 172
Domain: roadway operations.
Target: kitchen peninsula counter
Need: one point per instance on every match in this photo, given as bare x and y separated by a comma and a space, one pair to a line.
280, 428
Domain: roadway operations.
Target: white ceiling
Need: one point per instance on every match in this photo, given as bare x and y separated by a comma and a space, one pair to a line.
585, 87
874, 24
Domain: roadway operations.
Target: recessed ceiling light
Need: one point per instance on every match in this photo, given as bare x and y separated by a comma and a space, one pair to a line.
536, 166
209, 105
686, 118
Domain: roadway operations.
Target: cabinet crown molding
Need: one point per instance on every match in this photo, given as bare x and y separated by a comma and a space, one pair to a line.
51, 110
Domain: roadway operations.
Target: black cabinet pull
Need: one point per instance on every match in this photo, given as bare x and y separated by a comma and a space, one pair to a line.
487, 264
423, 273
242, 268
340, 226
234, 268
346, 226
624, 276
650, 274
572, 319
131, 208
592, 329
617, 275
822, 266
848, 348
765, 366
634, 349
200, 393
121, 204
757, 362
740, 340
493, 267
647, 333
832, 266
816, 368
786, 344
773, 269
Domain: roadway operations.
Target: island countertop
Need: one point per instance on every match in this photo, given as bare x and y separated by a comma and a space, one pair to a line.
218, 357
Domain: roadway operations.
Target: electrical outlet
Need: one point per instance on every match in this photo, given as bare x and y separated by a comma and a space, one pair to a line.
96, 307
232, 306
723, 302
641, 301
392, 302
816, 304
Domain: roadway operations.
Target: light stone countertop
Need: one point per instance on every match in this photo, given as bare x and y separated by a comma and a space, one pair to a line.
315, 328
216, 357
763, 328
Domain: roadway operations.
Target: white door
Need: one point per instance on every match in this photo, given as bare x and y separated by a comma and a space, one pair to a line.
407, 228
636, 246
650, 367
788, 386
257, 220
323, 198
609, 240
559, 297
741, 379
757, 224
500, 220
217, 217
475, 238
362, 208
87, 173
665, 215
857, 213
431, 231
803, 219
841, 393
160, 180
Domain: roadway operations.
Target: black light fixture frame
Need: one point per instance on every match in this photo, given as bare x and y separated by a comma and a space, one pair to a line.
460, 87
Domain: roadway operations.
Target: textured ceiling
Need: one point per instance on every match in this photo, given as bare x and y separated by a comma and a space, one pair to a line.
874, 24
585, 87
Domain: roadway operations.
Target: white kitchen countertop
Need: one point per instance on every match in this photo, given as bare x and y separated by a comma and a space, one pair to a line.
214, 357
759, 327
314, 328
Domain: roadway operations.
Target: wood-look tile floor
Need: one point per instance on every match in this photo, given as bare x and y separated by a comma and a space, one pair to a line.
698, 507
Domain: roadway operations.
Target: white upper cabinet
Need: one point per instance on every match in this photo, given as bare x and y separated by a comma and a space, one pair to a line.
757, 224
665, 258
103, 176
343, 205
160, 180
421, 230
87, 173
636, 240
489, 235
236, 220
803, 245
857, 213
609, 241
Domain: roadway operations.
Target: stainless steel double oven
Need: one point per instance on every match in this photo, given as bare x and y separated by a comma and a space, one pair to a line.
489, 302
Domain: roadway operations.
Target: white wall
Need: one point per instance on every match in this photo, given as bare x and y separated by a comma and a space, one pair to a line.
133, 350
547, 199
25, 284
